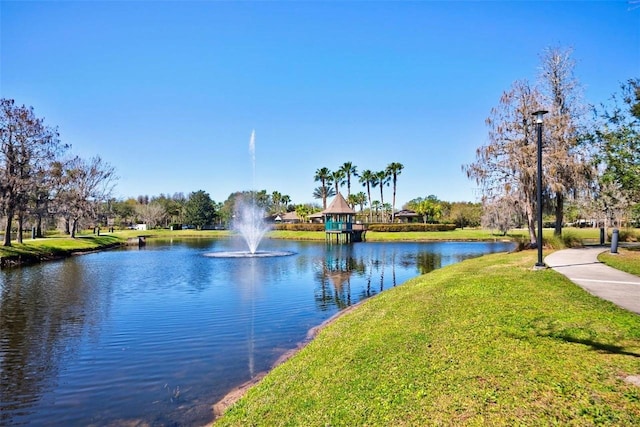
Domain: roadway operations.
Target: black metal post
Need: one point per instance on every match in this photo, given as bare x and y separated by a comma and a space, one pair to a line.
539, 114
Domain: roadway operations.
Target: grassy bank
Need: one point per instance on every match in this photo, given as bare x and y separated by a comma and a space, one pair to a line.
52, 247
61, 245
626, 260
484, 342
467, 234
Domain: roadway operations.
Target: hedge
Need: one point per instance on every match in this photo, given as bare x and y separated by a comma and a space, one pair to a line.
299, 227
389, 228
414, 226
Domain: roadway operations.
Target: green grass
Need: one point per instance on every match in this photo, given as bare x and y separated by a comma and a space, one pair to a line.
584, 235
468, 234
626, 260
484, 342
458, 235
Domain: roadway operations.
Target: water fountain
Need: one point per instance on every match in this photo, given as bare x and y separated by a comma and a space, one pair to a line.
249, 221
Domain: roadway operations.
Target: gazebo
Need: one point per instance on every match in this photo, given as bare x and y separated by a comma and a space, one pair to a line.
339, 222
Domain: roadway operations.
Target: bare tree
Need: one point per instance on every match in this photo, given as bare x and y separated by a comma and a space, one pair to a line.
83, 185
27, 146
151, 214
567, 165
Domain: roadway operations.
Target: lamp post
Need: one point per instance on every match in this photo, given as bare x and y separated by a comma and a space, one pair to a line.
538, 114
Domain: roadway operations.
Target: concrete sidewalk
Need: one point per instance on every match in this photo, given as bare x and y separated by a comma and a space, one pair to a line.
582, 267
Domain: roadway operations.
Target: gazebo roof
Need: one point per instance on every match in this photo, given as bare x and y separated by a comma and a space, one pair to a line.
338, 206
290, 216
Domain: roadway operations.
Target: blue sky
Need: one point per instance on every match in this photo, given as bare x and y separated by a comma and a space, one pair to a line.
169, 92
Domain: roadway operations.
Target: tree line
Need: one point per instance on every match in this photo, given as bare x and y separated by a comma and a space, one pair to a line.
198, 210
44, 184
591, 154
332, 181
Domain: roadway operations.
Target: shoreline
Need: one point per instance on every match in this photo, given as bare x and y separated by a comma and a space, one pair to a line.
238, 392
25, 260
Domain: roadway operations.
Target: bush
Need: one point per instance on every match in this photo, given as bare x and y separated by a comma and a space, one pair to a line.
626, 235
299, 227
566, 240
414, 226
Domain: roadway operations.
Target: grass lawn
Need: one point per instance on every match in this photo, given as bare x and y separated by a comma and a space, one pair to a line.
626, 260
487, 341
586, 235
51, 246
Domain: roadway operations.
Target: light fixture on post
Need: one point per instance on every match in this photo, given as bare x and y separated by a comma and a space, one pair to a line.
538, 114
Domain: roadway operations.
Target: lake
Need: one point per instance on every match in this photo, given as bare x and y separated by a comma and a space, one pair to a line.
157, 335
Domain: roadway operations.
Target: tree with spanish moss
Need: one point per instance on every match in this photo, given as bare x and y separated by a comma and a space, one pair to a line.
506, 167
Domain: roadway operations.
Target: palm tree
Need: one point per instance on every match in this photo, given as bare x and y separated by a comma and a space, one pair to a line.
324, 176
376, 205
357, 199
285, 200
323, 193
386, 208
338, 179
361, 199
349, 169
367, 178
430, 209
303, 212
394, 169
276, 198
381, 179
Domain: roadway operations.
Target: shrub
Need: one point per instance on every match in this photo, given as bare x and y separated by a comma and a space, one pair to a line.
299, 227
391, 228
626, 235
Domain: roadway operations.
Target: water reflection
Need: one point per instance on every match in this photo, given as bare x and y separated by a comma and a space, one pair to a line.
43, 313
157, 336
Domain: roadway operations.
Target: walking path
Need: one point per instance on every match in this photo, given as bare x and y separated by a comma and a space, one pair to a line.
582, 267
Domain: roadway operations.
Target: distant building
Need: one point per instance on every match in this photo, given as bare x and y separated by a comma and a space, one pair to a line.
407, 215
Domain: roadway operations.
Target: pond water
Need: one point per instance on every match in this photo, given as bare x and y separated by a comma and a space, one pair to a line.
158, 335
